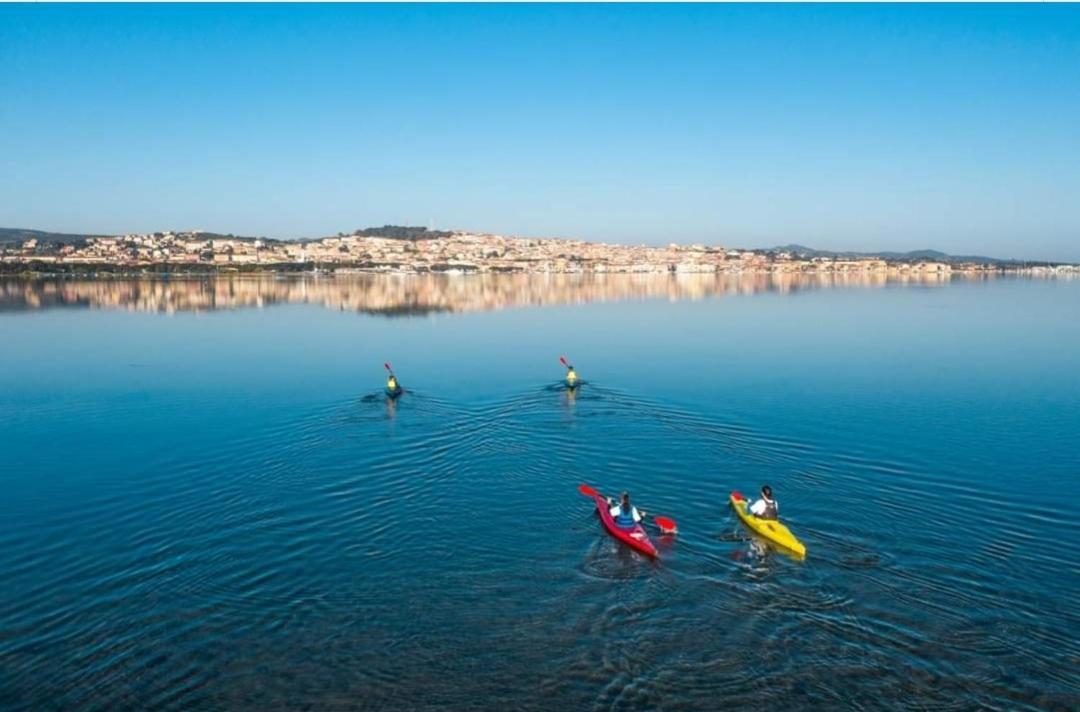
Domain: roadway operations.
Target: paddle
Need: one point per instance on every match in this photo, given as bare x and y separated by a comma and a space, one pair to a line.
387, 365
666, 524
562, 360
588, 491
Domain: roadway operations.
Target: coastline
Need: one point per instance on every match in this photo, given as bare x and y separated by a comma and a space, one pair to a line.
198, 253
33, 268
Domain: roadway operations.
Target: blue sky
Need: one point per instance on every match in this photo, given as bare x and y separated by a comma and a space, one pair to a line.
845, 127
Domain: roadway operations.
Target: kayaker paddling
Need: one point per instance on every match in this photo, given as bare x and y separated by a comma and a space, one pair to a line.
761, 517
626, 515
631, 533
393, 388
766, 507
571, 374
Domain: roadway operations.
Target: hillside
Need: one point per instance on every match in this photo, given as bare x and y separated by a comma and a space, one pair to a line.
910, 256
14, 235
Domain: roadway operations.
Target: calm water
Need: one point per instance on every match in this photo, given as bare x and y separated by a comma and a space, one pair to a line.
206, 502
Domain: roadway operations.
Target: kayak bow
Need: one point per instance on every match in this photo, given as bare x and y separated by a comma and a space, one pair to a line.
774, 531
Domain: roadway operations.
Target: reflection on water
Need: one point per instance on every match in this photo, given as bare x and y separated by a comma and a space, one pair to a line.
394, 295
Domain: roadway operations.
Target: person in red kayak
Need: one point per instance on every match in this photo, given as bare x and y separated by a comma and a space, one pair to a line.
766, 507
626, 515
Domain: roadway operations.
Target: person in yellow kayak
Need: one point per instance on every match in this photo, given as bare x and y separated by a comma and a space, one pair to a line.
571, 375
625, 514
766, 507
393, 388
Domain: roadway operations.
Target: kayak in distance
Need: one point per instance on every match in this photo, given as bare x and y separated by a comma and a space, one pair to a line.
572, 381
393, 388
768, 529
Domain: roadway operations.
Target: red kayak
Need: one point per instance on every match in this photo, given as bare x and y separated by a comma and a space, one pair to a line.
635, 538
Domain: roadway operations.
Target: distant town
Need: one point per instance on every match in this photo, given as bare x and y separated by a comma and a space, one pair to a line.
416, 250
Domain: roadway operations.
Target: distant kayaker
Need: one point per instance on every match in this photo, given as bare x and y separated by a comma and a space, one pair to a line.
625, 514
571, 376
766, 507
393, 388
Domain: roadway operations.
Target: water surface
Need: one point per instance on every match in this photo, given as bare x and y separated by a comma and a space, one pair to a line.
207, 503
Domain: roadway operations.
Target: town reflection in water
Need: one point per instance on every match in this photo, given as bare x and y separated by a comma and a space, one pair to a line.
406, 295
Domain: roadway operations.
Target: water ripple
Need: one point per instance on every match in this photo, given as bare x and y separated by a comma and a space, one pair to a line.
419, 554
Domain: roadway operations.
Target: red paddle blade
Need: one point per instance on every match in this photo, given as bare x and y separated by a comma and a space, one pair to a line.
562, 360
587, 491
666, 525
737, 496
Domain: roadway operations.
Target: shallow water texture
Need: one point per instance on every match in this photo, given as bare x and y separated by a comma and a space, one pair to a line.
217, 508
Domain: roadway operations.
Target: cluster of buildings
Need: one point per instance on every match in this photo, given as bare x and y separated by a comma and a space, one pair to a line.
456, 252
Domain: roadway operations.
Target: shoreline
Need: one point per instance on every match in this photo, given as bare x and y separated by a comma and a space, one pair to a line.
388, 250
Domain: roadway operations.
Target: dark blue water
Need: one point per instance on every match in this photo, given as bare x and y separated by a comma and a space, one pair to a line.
210, 505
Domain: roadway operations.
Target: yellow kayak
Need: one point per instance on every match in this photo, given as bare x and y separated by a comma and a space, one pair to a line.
774, 531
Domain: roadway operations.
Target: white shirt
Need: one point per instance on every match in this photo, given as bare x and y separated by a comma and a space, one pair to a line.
758, 507
614, 512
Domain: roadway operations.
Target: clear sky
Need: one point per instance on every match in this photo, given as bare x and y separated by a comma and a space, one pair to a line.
843, 127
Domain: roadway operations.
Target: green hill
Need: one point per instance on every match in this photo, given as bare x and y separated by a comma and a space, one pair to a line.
15, 236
